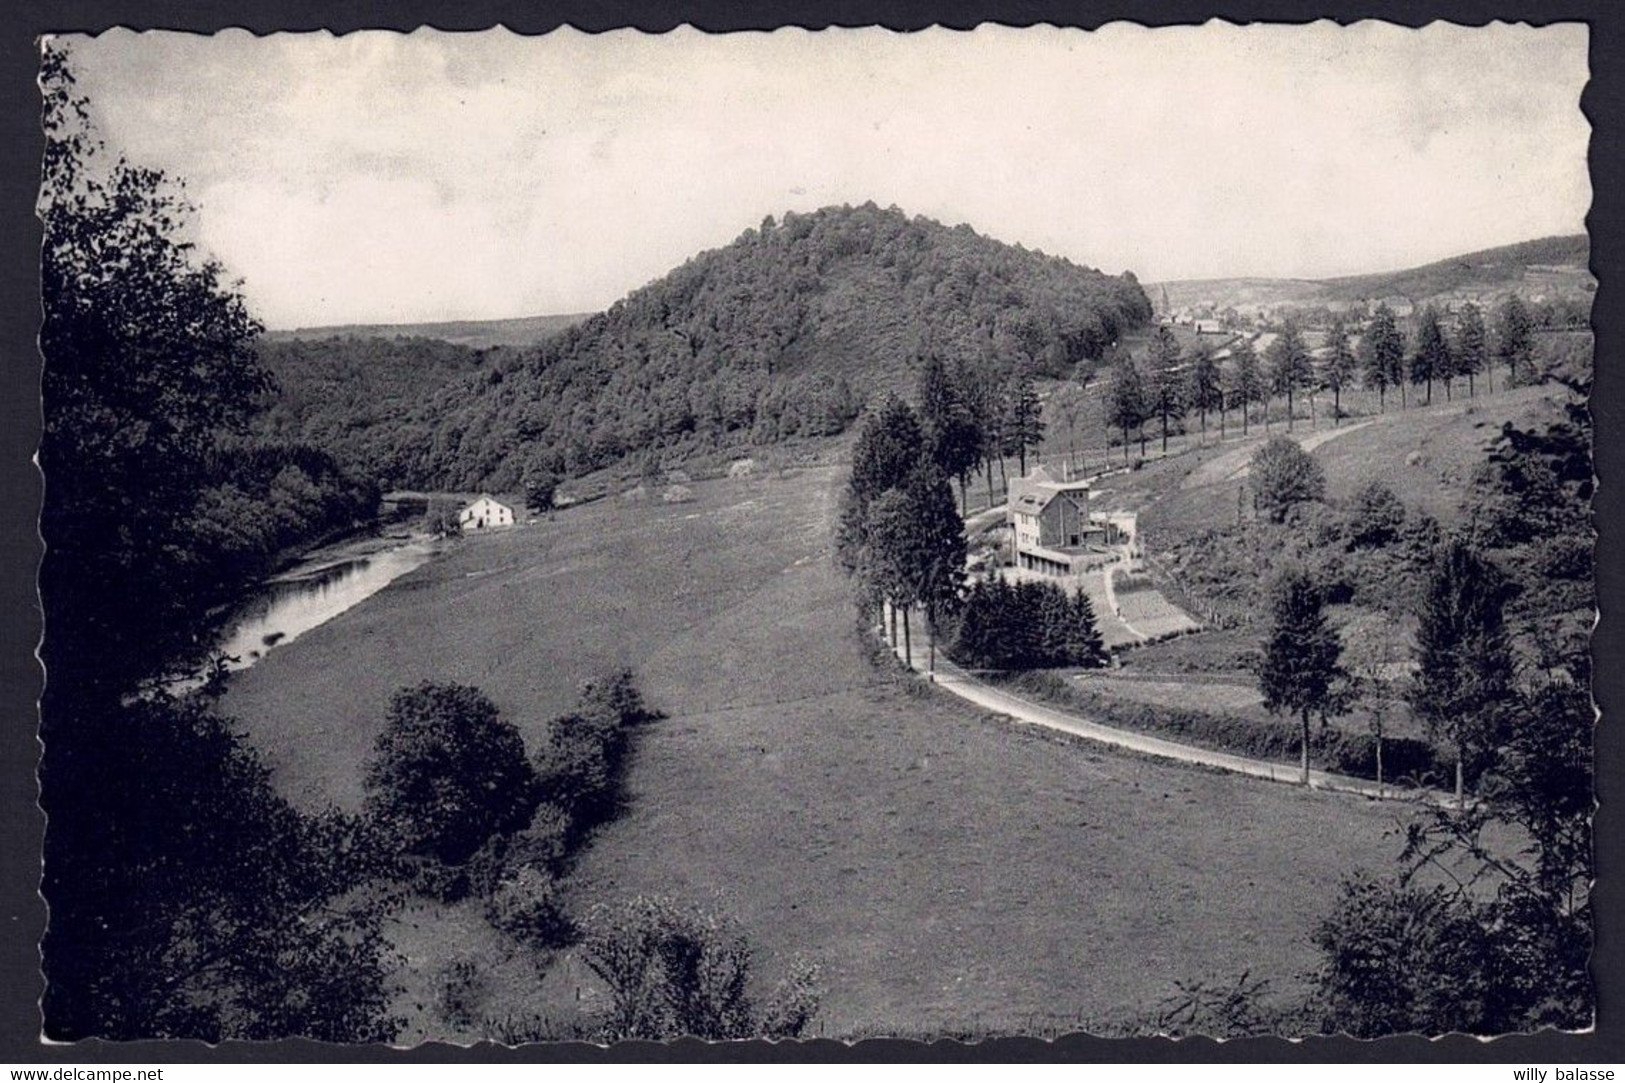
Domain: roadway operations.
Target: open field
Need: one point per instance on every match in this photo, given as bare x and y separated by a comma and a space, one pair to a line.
951, 873
1194, 491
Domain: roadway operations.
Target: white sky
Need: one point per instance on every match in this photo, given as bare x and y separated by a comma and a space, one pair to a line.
389, 178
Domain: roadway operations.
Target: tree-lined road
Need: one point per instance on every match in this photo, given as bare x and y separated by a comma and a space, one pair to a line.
955, 680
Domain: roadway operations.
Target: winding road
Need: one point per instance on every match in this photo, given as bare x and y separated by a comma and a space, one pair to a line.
956, 681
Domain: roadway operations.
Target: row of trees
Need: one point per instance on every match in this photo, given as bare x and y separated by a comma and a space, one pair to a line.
1432, 353
975, 417
1170, 385
900, 535
1463, 690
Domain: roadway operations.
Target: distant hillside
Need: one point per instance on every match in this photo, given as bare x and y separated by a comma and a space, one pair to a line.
781, 335
520, 331
1549, 269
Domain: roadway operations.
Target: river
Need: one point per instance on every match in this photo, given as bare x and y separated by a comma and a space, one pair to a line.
314, 592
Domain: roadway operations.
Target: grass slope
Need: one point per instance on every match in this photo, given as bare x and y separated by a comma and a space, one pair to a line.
951, 873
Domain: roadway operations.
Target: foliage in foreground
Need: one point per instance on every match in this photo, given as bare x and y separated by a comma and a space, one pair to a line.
187, 898
677, 971
200, 903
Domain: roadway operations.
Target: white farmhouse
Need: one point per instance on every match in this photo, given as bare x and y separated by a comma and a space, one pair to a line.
485, 513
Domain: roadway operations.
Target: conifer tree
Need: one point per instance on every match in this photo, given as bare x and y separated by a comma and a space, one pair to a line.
1464, 657
1432, 360
1202, 389
1165, 392
1023, 418
1126, 407
1249, 381
1515, 346
1289, 365
1383, 351
952, 435
1300, 667
1340, 366
1084, 646
888, 448
1472, 346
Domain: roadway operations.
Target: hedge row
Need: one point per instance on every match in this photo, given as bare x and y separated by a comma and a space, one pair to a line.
1404, 759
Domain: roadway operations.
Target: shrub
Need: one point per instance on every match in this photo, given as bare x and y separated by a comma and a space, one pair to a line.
1283, 474
676, 971
1402, 958
579, 767
525, 905
615, 697
461, 989
446, 773
574, 769
1376, 516
543, 844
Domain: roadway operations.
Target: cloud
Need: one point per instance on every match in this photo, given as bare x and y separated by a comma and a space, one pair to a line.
384, 176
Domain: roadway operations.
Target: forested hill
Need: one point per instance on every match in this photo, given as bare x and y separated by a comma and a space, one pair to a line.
782, 334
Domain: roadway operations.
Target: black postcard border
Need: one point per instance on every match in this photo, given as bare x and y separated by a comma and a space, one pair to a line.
22, 913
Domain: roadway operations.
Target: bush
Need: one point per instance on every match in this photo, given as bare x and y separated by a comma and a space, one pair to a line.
446, 773
1376, 516
525, 905
461, 989
579, 767
543, 844
1283, 474
677, 971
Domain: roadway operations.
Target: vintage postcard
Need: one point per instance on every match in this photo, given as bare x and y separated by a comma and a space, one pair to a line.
1020, 531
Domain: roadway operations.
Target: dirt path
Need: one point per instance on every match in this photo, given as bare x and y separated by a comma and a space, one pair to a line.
956, 681
1233, 465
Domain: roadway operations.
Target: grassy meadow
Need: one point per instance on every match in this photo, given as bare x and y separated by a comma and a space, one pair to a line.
952, 874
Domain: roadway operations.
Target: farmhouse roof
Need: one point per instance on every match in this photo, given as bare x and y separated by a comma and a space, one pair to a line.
1039, 496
